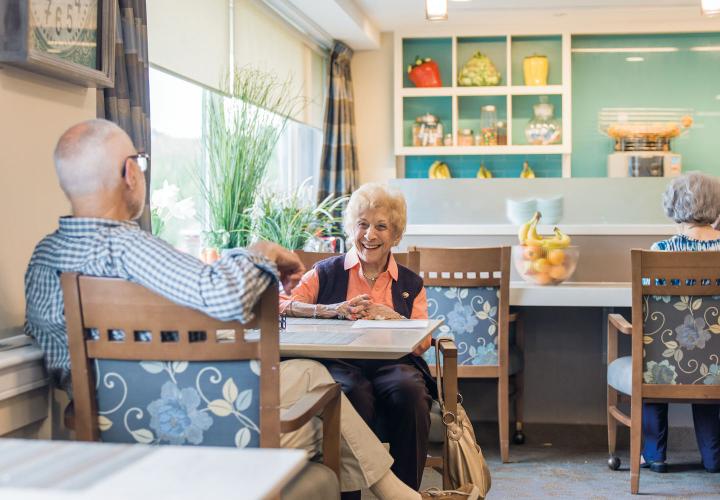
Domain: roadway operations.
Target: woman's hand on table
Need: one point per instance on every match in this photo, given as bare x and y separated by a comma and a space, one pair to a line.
354, 308
380, 311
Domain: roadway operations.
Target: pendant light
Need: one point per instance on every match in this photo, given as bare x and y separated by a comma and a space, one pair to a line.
710, 7
436, 10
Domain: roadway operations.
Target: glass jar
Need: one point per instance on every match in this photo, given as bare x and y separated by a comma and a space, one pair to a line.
465, 138
501, 133
543, 128
488, 126
427, 131
447, 141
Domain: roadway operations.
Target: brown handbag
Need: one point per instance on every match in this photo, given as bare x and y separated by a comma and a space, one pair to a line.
465, 461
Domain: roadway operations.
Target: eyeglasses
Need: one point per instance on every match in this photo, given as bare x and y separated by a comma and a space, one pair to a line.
141, 159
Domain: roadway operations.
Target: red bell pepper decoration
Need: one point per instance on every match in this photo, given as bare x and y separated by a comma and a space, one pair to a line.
425, 73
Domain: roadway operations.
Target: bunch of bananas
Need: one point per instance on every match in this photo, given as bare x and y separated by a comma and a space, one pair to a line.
483, 172
529, 236
527, 172
439, 170
545, 261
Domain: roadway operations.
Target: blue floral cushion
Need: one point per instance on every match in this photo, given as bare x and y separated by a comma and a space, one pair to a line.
180, 403
681, 337
470, 318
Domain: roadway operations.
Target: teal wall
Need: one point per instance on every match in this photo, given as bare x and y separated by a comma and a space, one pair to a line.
416, 167
681, 79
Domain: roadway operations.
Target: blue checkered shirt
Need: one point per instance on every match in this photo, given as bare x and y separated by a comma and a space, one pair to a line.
226, 290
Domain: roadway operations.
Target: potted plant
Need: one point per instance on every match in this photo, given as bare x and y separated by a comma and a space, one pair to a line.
291, 220
243, 127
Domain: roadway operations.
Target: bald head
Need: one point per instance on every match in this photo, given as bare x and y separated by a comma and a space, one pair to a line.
89, 157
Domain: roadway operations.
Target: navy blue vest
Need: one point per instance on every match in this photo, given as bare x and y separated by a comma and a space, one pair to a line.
334, 281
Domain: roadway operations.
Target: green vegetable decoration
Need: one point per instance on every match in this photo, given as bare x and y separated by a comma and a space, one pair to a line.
424, 73
479, 71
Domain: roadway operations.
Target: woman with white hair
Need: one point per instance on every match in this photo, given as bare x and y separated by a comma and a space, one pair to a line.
693, 201
368, 283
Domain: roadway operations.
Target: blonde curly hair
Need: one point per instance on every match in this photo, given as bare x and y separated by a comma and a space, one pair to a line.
375, 195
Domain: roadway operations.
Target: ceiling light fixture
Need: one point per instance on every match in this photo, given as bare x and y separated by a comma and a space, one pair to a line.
436, 10
710, 7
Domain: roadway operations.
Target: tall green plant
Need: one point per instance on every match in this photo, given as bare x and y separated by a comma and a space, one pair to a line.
243, 128
291, 220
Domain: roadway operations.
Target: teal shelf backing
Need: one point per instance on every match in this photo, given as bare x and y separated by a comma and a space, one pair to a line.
438, 49
416, 167
493, 47
550, 46
418, 106
682, 78
523, 111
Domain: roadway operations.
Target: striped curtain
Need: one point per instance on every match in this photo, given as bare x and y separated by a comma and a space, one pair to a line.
128, 103
339, 163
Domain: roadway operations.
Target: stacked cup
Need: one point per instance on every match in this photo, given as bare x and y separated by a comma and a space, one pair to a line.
551, 209
520, 211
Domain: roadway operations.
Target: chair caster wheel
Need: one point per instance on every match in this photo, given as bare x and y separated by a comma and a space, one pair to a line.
519, 437
614, 462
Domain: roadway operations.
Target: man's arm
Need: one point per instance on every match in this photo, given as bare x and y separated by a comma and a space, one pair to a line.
226, 290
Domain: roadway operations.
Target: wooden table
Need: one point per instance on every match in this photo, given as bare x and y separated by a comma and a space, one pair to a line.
43, 470
356, 343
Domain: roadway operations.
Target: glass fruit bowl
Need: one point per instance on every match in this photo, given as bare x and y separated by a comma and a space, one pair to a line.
545, 266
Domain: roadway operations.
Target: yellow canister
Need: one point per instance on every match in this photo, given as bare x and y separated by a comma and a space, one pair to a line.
535, 70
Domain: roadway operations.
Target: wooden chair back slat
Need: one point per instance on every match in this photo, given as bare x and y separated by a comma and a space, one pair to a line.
108, 304
309, 259
464, 267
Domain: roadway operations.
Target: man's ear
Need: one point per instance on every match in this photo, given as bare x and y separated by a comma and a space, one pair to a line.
131, 173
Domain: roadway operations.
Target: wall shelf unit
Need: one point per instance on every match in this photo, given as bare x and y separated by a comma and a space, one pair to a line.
458, 107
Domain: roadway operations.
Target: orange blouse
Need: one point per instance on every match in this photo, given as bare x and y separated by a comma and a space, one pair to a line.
309, 286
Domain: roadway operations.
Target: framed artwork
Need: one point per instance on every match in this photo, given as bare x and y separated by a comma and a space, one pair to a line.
73, 40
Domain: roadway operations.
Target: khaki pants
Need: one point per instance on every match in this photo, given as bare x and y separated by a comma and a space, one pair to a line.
363, 459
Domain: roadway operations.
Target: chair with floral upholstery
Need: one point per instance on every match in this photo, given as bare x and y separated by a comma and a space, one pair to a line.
675, 337
469, 288
147, 370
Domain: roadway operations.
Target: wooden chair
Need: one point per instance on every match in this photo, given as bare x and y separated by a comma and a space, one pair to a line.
309, 259
147, 370
675, 346
469, 289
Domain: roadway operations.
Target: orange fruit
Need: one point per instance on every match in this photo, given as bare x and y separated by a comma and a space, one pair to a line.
542, 279
532, 252
556, 257
558, 272
541, 265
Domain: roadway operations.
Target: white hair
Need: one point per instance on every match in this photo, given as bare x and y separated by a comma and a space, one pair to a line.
375, 195
83, 158
693, 197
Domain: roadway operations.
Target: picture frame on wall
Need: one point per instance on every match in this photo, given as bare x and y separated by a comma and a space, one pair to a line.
73, 40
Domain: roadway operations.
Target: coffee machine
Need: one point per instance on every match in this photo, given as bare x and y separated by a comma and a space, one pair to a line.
643, 140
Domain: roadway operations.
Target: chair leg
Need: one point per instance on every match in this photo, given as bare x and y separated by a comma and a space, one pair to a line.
504, 418
519, 436
635, 435
612, 400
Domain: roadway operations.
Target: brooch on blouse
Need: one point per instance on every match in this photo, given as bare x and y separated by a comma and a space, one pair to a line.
405, 295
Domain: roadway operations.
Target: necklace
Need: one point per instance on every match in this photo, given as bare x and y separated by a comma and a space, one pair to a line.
372, 279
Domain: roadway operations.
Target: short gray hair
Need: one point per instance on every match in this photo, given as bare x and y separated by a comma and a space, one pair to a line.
81, 157
375, 195
693, 197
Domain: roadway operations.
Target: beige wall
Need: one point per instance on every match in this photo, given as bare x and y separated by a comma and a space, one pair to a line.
34, 111
373, 87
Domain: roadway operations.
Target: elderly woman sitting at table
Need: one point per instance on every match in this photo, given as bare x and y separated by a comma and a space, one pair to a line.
367, 283
693, 201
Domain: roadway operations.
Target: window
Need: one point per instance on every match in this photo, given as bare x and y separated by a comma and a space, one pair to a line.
177, 122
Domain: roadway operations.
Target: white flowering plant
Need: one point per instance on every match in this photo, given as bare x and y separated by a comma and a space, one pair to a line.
165, 206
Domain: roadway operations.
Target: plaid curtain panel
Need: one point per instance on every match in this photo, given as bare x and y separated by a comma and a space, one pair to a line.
339, 164
128, 102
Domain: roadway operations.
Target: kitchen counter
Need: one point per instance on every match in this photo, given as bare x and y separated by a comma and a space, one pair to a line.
572, 294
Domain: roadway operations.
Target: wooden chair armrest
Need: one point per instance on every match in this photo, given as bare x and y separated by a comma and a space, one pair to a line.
448, 349
621, 324
310, 405
512, 317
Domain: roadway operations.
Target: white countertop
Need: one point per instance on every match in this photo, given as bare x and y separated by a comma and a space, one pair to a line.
512, 229
572, 294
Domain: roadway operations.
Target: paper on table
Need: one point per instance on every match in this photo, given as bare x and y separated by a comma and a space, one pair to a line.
391, 323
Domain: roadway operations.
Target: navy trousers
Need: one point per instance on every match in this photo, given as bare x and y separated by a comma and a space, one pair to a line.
706, 419
392, 398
